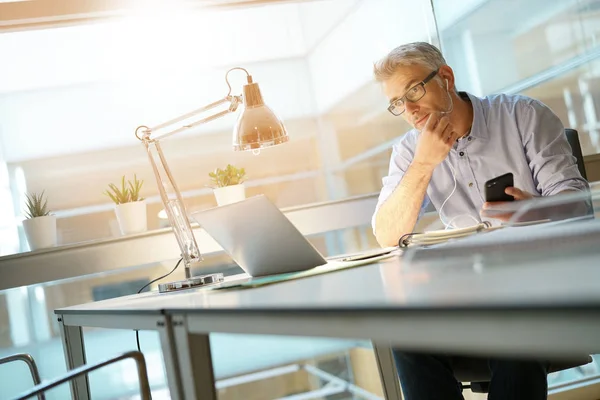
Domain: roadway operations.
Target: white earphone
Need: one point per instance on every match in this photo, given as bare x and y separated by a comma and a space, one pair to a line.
450, 224
450, 97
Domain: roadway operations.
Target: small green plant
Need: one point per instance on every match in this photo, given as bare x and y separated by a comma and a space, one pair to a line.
127, 193
135, 188
227, 177
37, 206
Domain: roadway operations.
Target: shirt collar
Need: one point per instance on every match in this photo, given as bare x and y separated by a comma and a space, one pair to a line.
479, 127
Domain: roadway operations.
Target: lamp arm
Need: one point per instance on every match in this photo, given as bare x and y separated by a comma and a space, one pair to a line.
169, 192
234, 102
173, 204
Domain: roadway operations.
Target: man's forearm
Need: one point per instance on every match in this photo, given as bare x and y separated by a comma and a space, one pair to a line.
398, 214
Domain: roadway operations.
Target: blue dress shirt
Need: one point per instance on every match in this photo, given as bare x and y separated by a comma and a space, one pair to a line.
510, 133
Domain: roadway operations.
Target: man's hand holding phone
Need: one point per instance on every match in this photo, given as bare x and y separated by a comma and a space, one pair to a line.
435, 141
498, 191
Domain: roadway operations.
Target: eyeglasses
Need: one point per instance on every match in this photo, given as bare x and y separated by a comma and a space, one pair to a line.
414, 94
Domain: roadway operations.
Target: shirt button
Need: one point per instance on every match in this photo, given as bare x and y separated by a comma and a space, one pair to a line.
462, 153
470, 184
469, 138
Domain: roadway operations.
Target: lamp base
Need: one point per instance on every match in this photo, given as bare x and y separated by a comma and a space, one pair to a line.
191, 283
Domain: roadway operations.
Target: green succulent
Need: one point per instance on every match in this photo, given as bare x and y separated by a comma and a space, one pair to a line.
134, 189
227, 177
127, 193
37, 206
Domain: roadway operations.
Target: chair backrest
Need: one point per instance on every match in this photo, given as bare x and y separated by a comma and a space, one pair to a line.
476, 371
33, 369
573, 139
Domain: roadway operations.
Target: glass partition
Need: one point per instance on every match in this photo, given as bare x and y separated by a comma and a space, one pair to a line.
546, 50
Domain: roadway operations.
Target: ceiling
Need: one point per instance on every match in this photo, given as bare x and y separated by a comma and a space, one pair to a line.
36, 14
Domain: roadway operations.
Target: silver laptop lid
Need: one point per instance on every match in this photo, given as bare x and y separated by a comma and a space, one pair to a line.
259, 237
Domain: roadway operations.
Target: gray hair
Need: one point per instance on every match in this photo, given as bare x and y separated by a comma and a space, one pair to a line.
420, 53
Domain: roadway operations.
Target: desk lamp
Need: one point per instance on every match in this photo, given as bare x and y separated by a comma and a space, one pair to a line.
256, 127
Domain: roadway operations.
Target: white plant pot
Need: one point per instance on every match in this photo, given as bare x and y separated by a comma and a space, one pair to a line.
40, 232
132, 217
230, 194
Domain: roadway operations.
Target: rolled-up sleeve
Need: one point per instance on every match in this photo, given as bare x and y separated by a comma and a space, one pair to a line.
402, 155
553, 166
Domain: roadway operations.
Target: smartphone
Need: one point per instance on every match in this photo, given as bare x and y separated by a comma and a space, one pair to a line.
494, 188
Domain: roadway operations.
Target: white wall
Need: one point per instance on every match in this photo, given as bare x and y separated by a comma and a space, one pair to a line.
88, 87
320, 17
102, 115
9, 240
82, 88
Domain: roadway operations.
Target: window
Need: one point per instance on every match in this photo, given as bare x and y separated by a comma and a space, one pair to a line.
546, 50
313, 61
68, 124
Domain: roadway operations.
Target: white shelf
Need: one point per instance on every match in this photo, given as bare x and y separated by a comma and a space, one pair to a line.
80, 259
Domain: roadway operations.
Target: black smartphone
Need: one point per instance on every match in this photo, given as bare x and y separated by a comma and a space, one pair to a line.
494, 188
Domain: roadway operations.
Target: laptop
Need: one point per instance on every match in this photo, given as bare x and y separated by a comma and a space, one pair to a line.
259, 237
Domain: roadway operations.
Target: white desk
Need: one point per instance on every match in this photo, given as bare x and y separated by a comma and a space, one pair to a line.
541, 308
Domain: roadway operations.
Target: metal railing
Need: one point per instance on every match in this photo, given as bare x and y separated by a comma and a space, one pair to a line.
138, 357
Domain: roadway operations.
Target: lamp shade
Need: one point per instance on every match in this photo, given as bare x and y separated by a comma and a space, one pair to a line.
257, 126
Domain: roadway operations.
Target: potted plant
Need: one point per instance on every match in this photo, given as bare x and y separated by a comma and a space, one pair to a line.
130, 207
39, 225
228, 184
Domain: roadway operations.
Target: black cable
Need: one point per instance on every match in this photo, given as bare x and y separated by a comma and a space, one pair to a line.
404, 240
137, 335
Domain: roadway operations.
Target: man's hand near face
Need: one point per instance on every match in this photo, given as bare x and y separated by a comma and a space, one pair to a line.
435, 141
398, 215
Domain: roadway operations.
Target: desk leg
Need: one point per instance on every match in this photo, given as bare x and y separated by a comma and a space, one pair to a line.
195, 362
169, 350
72, 340
387, 371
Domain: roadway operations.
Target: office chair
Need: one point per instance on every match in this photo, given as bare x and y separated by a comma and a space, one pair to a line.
476, 372
39, 389
471, 372
573, 139
33, 369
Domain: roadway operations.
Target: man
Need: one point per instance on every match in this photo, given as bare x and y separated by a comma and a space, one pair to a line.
460, 141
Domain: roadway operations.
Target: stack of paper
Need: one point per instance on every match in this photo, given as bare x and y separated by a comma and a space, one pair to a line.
441, 236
